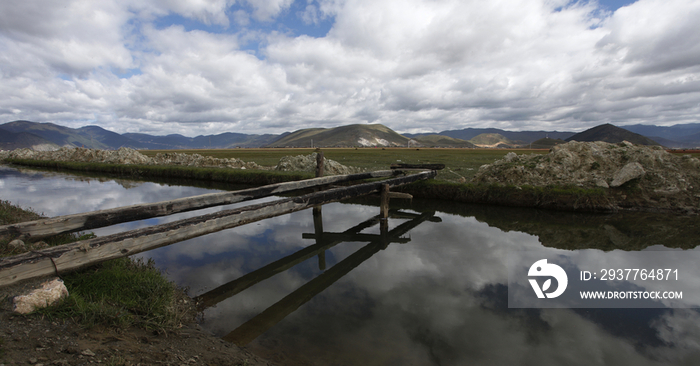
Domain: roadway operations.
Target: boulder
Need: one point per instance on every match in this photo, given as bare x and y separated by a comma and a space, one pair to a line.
16, 244
48, 294
627, 173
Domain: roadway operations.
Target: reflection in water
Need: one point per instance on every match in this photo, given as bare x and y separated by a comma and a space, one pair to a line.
275, 313
440, 300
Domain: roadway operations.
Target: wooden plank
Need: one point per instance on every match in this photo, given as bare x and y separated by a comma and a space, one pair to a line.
256, 326
418, 166
400, 195
90, 220
79, 254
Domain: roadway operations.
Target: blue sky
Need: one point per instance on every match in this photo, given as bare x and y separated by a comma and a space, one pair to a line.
270, 66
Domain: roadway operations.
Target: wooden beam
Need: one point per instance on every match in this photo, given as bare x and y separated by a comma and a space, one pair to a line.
79, 254
405, 196
90, 220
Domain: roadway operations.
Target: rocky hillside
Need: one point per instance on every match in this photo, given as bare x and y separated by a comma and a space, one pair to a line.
649, 174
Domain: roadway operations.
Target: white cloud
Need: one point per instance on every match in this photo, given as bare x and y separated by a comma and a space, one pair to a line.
266, 10
412, 65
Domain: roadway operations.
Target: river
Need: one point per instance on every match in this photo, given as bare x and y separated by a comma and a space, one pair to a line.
432, 290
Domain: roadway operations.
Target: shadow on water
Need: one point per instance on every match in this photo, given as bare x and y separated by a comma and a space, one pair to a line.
256, 326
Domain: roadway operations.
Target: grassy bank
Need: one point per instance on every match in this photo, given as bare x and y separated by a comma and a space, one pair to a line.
461, 165
555, 197
117, 293
234, 176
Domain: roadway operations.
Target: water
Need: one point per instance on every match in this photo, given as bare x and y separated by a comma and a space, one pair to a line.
437, 295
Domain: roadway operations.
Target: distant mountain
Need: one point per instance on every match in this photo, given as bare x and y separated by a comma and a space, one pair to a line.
226, 140
676, 136
19, 134
343, 136
107, 138
59, 135
612, 134
96, 137
11, 140
524, 136
675, 132
492, 140
442, 141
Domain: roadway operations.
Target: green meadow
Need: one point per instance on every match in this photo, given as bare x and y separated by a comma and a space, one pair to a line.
458, 162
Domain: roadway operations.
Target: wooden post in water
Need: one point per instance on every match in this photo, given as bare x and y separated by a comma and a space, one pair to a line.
232, 288
256, 326
318, 229
384, 212
318, 218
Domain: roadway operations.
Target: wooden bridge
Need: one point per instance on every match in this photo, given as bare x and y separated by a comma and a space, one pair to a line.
67, 257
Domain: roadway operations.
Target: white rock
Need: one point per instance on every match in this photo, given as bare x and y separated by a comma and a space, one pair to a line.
627, 173
49, 293
16, 244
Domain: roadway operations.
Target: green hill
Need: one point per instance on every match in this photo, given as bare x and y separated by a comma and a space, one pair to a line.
343, 136
441, 141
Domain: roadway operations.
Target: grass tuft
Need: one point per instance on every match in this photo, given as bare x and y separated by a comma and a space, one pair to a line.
120, 293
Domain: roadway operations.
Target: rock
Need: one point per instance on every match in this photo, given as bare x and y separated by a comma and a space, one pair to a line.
49, 293
510, 156
16, 244
88, 352
40, 245
596, 164
627, 173
307, 163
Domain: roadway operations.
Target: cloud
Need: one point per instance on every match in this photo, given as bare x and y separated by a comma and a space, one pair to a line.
413, 65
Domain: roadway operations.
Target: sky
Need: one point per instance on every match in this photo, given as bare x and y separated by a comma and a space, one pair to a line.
198, 67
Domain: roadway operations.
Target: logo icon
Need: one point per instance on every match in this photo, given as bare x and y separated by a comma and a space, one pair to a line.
543, 269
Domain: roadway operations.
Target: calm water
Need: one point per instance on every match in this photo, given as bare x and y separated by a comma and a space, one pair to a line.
434, 293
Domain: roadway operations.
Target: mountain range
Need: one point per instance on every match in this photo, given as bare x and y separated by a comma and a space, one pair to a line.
49, 136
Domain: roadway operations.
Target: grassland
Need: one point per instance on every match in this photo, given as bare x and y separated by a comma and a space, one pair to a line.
459, 162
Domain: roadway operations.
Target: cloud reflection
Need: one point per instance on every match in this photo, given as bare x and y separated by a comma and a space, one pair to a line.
440, 299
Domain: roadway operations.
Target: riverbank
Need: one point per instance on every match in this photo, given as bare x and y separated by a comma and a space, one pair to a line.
576, 176
120, 312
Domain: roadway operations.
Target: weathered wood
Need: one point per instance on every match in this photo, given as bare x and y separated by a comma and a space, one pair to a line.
256, 326
418, 166
400, 195
384, 202
319, 163
95, 219
75, 255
